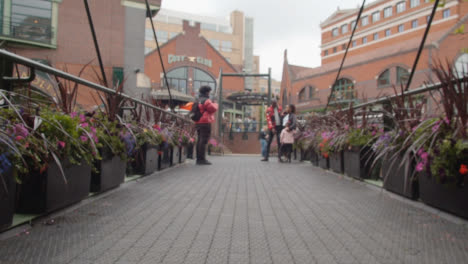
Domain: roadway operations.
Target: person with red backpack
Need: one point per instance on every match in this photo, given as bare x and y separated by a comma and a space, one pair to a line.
203, 114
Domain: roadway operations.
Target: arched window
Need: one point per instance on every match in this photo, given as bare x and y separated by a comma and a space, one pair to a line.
177, 79
402, 75
384, 78
461, 66
343, 91
302, 95
201, 78
311, 92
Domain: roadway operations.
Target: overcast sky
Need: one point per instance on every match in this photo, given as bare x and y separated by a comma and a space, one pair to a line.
278, 24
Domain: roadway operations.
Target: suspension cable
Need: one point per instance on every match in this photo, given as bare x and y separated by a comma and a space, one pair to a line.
346, 53
150, 16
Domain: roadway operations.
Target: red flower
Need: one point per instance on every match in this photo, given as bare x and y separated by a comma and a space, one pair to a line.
160, 153
19, 138
325, 155
463, 169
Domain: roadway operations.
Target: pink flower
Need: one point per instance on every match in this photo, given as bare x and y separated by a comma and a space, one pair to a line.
374, 133
192, 140
424, 156
447, 121
83, 138
420, 167
435, 128
73, 114
61, 144
93, 129
420, 152
19, 138
82, 118
84, 125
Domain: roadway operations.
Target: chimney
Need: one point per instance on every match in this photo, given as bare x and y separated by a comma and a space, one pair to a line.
188, 29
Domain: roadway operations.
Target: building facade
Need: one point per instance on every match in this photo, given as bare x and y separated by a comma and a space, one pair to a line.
57, 32
381, 54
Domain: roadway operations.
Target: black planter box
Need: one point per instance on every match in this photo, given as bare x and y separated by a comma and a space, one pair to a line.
337, 162
47, 192
447, 197
165, 157
7, 200
358, 163
395, 176
183, 154
323, 162
145, 162
304, 154
111, 174
314, 157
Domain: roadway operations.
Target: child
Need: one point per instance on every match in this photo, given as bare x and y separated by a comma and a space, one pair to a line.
263, 136
287, 141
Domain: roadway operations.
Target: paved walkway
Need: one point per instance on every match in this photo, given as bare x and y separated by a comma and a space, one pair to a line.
242, 211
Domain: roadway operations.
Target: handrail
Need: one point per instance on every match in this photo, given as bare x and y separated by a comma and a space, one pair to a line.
42, 67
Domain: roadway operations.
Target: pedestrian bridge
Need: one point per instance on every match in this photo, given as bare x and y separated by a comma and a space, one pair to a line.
241, 210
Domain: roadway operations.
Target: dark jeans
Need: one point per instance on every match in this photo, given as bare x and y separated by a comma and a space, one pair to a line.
270, 139
204, 133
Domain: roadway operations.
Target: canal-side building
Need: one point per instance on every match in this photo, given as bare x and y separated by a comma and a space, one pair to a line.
381, 54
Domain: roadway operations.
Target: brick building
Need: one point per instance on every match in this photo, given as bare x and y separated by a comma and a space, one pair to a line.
57, 32
191, 61
382, 52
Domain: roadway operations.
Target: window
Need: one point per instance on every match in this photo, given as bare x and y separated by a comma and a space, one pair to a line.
302, 95
376, 36
446, 13
201, 78
31, 20
162, 36
414, 23
335, 32
326, 53
364, 40
388, 32
344, 28
207, 26
343, 47
461, 66
343, 90
376, 16
388, 11
384, 79
226, 46
214, 43
402, 75
401, 7
365, 21
334, 50
414, 3
311, 92
401, 28
353, 24
149, 34
354, 43
177, 79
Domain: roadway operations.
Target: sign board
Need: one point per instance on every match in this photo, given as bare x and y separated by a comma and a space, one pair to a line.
181, 58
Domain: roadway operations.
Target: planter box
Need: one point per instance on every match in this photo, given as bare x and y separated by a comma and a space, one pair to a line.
314, 157
111, 174
145, 162
358, 163
447, 197
183, 154
7, 200
165, 159
323, 163
304, 155
337, 162
395, 177
47, 192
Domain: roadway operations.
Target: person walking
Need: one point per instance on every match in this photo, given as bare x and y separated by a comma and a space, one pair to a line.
203, 126
274, 121
263, 136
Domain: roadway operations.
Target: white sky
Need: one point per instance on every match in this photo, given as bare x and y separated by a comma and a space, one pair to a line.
278, 25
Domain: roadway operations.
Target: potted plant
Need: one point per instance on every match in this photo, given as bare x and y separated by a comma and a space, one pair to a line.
145, 157
441, 145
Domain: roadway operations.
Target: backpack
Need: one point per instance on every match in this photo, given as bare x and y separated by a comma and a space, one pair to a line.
195, 113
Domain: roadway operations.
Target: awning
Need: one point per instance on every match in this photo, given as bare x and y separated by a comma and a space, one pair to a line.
179, 97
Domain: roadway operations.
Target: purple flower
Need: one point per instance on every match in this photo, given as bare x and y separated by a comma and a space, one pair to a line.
84, 124
447, 121
20, 130
420, 167
435, 127
82, 118
424, 156
83, 138
73, 114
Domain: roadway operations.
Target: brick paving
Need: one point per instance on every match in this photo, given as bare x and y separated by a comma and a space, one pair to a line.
242, 211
